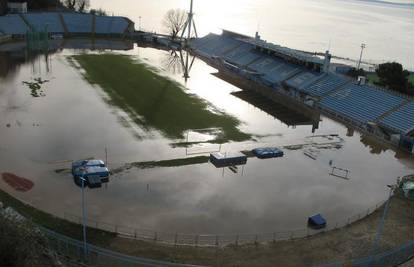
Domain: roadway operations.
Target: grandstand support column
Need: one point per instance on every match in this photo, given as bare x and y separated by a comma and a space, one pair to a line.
189, 24
26, 22
63, 22
93, 26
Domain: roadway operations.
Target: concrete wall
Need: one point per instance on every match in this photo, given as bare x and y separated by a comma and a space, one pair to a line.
4, 38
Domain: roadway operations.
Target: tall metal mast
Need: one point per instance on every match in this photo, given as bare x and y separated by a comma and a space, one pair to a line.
360, 57
189, 23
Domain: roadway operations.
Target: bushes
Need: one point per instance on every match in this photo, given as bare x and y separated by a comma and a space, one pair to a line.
393, 76
20, 244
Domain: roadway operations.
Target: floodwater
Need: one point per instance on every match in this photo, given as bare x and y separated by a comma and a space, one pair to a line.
386, 27
72, 119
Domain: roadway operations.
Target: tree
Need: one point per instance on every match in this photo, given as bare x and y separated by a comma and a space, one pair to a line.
82, 5
79, 5
174, 21
70, 4
393, 76
356, 73
22, 245
43, 4
98, 12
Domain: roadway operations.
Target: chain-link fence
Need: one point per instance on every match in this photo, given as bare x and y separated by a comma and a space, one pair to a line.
95, 256
390, 258
213, 240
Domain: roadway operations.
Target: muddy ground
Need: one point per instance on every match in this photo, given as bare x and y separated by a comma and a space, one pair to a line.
354, 241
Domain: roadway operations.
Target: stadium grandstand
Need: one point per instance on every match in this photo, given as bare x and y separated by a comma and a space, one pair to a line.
307, 79
65, 23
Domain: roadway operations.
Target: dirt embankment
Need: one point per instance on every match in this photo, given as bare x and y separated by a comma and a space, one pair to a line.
354, 241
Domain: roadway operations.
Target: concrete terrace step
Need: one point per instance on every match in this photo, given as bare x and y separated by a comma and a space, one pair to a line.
393, 110
337, 89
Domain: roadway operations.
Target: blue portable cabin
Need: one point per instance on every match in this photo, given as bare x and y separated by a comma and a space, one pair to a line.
268, 152
317, 221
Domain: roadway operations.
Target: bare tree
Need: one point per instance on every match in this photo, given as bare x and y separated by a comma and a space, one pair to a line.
70, 4
174, 21
172, 62
79, 5
82, 5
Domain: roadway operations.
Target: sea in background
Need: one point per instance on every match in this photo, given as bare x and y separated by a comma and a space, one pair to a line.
386, 27
71, 119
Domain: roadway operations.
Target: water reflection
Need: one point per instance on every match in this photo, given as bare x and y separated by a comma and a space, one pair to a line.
10, 61
172, 62
374, 145
75, 121
15, 54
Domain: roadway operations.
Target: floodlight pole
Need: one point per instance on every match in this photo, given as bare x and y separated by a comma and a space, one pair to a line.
84, 217
189, 24
360, 56
190, 20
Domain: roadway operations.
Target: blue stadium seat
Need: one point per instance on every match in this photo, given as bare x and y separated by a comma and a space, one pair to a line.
111, 25
13, 24
401, 120
325, 85
303, 80
41, 21
78, 23
361, 103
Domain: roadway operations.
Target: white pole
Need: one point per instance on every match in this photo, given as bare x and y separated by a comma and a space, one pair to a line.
360, 56
190, 20
84, 217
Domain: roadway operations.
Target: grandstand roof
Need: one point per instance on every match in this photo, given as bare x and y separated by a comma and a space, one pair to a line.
13, 24
296, 54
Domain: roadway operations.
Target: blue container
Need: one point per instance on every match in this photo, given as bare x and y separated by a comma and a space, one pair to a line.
317, 221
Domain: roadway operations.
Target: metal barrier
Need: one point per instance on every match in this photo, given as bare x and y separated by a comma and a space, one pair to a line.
99, 257
390, 258
209, 240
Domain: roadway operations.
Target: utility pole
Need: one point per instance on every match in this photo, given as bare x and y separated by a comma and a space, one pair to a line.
84, 218
381, 223
360, 57
189, 23
139, 23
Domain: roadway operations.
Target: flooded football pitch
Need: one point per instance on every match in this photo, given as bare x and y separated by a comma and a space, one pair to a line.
51, 113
